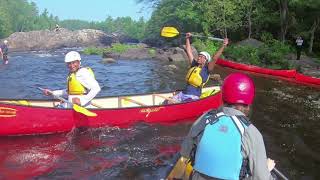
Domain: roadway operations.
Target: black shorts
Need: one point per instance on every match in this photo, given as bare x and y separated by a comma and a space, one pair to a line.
5, 57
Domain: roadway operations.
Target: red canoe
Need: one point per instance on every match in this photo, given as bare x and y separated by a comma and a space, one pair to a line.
41, 117
289, 75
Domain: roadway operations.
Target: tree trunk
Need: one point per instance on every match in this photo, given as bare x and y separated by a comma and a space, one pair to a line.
312, 31
249, 23
224, 22
283, 19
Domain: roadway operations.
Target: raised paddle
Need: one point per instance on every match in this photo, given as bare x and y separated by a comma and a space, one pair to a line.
170, 32
75, 107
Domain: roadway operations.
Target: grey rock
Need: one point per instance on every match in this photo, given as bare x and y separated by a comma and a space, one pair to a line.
108, 60
46, 40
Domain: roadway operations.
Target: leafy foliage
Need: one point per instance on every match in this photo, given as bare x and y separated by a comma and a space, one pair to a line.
115, 48
21, 15
206, 45
271, 54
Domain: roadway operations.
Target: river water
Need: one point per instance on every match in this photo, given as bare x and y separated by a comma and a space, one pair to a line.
286, 114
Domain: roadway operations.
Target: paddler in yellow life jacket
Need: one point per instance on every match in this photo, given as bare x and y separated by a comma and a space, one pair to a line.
82, 86
198, 74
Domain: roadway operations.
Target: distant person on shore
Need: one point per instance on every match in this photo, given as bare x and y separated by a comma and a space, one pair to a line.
57, 28
4, 52
299, 44
198, 74
223, 143
82, 86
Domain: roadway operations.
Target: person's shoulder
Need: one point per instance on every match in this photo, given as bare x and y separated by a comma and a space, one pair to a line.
83, 71
252, 131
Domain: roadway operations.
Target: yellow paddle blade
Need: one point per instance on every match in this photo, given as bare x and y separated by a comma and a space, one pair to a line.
209, 93
83, 110
169, 32
23, 102
20, 102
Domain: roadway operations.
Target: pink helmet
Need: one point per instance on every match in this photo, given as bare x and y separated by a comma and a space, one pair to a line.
238, 88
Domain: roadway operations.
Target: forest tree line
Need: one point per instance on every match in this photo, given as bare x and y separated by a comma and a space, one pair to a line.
24, 16
283, 20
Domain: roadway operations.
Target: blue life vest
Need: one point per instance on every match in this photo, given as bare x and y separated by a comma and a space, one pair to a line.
218, 153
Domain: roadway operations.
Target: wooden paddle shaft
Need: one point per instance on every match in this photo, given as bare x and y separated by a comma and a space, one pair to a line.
96, 105
280, 174
167, 98
133, 101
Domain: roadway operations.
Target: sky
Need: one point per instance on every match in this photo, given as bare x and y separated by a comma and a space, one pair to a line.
94, 10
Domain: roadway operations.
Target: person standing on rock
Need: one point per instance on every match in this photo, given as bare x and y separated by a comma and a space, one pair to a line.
198, 74
4, 52
82, 86
57, 28
299, 43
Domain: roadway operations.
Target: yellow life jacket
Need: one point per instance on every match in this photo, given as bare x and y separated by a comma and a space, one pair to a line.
74, 86
194, 78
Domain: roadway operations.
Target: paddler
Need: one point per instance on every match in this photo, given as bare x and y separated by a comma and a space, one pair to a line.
198, 74
82, 86
223, 144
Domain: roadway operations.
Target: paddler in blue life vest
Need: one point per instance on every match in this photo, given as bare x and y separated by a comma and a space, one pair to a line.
82, 86
198, 74
223, 144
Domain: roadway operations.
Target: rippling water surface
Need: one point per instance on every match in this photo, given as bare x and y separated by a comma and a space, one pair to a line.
287, 115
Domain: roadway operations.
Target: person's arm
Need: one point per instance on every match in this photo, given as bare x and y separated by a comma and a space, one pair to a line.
188, 48
62, 92
1, 53
254, 149
89, 82
217, 54
48, 92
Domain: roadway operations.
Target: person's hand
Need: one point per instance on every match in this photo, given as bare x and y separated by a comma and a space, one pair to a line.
188, 35
225, 42
270, 164
47, 92
76, 100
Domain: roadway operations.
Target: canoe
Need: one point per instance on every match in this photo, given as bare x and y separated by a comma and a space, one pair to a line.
289, 75
30, 116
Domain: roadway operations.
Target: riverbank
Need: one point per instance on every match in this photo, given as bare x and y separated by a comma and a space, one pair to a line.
306, 65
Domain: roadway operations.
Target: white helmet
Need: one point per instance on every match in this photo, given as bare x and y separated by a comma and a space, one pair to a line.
5, 41
72, 56
206, 54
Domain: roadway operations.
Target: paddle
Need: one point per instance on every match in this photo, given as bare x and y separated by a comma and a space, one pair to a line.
173, 163
75, 107
170, 32
279, 173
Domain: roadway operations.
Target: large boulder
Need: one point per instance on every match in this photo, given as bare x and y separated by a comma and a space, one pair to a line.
250, 42
46, 39
171, 54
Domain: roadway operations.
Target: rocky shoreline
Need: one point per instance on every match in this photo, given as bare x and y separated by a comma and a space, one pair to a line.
64, 38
